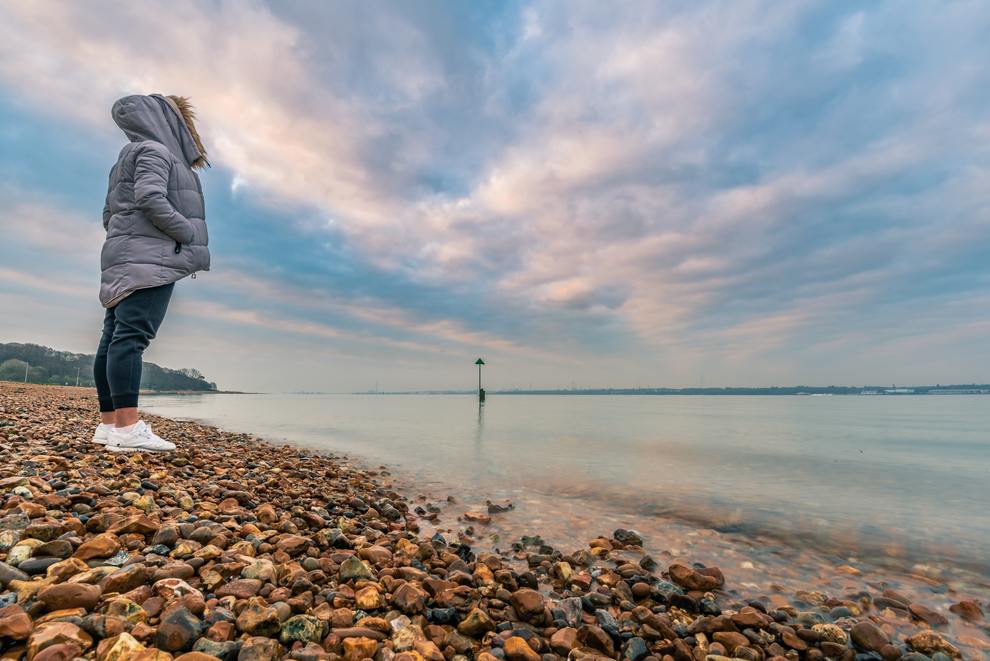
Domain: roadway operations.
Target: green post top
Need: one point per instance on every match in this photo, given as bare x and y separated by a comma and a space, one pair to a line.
479, 362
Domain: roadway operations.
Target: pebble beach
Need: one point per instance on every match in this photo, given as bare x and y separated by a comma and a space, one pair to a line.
235, 548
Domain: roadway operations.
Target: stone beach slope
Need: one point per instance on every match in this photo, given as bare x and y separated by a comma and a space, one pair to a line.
235, 549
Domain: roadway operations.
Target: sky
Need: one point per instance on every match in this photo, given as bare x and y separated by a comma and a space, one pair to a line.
584, 193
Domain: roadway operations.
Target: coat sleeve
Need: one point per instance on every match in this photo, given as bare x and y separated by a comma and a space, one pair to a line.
150, 186
106, 205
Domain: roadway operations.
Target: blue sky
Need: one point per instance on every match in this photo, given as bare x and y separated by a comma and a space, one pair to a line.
623, 194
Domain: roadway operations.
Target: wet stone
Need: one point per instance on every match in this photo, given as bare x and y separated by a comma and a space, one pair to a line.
70, 595
241, 588
9, 573
259, 649
57, 633
968, 610
358, 647
178, 630
15, 624
226, 650
58, 548
15, 521
635, 649
868, 636
262, 570
927, 615
596, 638
628, 537
118, 647
259, 619
476, 623
301, 628
527, 603
352, 569
34, 566
410, 599
929, 642
118, 559
517, 649
101, 546
442, 615
58, 652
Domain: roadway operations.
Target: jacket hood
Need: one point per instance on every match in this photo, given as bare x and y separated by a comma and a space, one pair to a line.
168, 120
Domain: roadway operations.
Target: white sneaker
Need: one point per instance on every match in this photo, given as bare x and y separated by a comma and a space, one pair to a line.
102, 433
139, 438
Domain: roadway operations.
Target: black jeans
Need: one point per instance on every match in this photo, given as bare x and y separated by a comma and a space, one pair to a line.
128, 328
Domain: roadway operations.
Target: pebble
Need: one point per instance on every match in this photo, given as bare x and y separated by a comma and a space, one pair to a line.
15, 624
926, 614
968, 610
10, 573
690, 579
929, 642
58, 633
70, 595
301, 628
868, 636
178, 630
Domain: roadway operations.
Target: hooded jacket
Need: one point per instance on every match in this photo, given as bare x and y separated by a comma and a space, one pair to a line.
155, 215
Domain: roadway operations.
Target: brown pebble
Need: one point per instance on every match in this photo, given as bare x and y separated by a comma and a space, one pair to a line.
70, 595
517, 649
868, 636
968, 610
926, 614
15, 624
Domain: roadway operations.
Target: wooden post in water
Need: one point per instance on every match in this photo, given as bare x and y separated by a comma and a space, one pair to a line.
481, 391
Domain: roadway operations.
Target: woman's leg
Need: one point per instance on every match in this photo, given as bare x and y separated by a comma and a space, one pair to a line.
100, 370
137, 320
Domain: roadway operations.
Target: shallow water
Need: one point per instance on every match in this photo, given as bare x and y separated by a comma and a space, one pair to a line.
792, 497
892, 479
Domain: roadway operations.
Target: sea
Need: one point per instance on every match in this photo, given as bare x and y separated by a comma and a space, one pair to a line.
894, 481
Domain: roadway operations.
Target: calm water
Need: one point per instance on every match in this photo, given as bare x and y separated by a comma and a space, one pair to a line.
887, 478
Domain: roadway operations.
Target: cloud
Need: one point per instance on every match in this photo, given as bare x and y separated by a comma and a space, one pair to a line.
695, 183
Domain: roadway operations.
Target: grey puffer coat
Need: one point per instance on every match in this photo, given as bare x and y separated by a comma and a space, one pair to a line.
155, 215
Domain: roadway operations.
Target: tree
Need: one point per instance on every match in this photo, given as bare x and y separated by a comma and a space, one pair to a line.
12, 369
46, 365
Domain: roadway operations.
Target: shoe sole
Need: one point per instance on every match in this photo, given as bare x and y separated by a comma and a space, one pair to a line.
117, 448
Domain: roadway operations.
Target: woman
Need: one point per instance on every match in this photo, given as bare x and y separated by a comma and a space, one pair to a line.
156, 234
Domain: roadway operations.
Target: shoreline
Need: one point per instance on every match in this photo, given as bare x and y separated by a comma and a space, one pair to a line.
243, 549
883, 550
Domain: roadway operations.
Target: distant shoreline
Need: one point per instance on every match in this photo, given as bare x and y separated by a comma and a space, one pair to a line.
197, 392
802, 391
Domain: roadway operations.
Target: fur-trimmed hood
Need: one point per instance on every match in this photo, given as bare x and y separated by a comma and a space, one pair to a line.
169, 120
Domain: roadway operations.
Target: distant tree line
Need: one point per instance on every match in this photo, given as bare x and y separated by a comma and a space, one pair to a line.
45, 365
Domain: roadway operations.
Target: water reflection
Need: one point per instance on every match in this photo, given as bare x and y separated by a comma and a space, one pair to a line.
476, 464
851, 473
